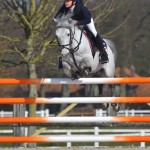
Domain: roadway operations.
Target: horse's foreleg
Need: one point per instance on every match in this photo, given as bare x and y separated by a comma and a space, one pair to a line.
69, 72
87, 67
88, 60
67, 69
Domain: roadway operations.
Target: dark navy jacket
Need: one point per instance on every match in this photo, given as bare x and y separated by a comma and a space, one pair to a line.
80, 13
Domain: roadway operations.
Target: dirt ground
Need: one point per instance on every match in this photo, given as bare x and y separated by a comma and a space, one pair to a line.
80, 148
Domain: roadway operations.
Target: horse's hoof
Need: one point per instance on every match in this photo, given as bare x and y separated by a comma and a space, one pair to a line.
87, 70
105, 106
86, 73
116, 107
74, 76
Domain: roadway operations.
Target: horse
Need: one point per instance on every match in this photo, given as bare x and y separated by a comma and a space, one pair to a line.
78, 59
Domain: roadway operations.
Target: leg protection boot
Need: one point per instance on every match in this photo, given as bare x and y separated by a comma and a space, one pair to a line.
60, 65
103, 53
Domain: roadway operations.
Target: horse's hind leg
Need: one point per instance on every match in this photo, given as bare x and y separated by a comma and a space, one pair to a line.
100, 86
116, 106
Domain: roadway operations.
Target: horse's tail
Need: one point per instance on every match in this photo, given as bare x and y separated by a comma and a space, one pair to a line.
113, 48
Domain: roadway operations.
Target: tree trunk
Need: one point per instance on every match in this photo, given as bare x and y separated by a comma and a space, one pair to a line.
32, 107
31, 74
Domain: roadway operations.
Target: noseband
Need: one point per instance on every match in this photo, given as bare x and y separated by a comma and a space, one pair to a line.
68, 46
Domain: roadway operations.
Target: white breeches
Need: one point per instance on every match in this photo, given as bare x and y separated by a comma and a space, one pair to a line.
92, 28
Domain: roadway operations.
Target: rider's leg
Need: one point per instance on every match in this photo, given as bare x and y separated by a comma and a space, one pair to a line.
99, 42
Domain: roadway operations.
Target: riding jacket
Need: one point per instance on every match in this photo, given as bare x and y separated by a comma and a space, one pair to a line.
80, 13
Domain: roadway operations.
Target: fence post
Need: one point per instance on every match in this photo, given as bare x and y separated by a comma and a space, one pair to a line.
2, 113
132, 112
69, 143
42, 113
126, 112
142, 134
47, 112
96, 132
18, 130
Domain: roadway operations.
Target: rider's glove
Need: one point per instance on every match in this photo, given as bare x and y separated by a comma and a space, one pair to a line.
74, 22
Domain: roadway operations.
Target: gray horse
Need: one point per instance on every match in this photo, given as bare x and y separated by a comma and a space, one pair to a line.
77, 56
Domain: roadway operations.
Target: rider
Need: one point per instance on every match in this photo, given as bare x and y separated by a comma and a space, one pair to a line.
82, 16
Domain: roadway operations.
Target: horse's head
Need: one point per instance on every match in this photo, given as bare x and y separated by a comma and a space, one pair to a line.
65, 32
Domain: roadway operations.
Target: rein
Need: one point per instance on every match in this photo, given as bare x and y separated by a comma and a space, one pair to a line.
75, 49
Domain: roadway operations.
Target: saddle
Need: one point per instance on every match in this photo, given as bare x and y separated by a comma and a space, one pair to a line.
91, 40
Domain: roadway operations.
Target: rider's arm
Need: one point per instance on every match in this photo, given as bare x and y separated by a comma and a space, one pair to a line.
60, 12
86, 15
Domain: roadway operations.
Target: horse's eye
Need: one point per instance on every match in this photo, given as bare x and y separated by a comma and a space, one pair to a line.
68, 34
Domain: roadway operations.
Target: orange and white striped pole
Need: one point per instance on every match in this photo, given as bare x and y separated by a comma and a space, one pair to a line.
74, 138
60, 120
136, 80
63, 100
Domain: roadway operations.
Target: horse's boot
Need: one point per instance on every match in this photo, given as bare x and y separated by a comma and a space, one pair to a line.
60, 66
103, 54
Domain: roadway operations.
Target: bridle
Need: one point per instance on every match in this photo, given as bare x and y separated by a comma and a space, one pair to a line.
72, 33
71, 49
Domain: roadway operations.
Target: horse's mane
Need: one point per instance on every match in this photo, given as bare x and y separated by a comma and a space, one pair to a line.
64, 21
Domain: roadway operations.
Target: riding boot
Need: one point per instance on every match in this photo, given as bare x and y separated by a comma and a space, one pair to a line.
60, 66
103, 54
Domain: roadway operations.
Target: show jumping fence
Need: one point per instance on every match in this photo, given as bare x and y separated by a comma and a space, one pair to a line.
74, 138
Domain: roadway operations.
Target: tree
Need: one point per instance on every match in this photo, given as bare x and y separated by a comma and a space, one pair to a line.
31, 19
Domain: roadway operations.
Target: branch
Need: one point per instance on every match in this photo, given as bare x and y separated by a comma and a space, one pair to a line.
12, 63
32, 7
106, 12
9, 38
108, 34
18, 10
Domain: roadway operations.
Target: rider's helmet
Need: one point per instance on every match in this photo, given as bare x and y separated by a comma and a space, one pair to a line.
78, 1
75, 1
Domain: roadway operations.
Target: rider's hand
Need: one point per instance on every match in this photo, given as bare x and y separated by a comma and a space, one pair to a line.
74, 22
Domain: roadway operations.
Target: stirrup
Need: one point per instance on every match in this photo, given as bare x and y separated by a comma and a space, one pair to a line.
104, 62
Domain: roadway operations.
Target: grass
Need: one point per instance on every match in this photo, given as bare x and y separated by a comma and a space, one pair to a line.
110, 144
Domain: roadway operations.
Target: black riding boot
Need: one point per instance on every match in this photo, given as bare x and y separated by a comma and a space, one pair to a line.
103, 54
60, 66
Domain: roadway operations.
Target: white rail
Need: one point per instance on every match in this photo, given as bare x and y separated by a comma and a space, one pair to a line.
102, 113
94, 131
99, 113
42, 113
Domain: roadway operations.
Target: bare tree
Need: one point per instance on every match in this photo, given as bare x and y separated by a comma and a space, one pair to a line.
31, 18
